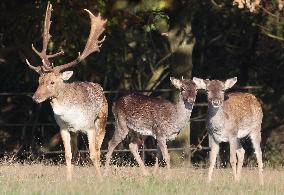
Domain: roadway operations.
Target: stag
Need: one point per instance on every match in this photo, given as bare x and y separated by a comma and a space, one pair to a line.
77, 106
231, 117
151, 116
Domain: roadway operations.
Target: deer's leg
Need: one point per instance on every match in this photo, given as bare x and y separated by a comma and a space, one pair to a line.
65, 134
96, 136
213, 157
256, 139
92, 149
133, 147
121, 130
74, 145
100, 133
240, 155
162, 142
233, 158
158, 153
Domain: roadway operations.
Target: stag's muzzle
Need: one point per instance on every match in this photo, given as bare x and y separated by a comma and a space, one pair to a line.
37, 99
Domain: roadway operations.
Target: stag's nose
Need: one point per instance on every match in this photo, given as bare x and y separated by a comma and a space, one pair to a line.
36, 98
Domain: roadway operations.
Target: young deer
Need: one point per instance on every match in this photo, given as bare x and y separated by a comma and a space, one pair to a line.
231, 117
152, 116
77, 106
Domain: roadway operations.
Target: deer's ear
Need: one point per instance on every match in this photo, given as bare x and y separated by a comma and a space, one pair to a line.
66, 75
200, 83
230, 82
176, 82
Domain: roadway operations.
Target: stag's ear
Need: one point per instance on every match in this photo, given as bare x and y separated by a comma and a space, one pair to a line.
176, 82
66, 75
200, 83
230, 83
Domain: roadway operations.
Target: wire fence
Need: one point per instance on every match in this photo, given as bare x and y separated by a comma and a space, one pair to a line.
187, 148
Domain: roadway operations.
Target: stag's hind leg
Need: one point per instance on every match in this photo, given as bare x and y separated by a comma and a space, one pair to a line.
100, 125
256, 139
93, 152
96, 136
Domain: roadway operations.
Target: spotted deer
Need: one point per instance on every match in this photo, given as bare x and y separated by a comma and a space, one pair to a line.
231, 117
77, 106
151, 116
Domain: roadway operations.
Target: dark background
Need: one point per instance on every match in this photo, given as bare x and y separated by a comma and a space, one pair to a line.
146, 42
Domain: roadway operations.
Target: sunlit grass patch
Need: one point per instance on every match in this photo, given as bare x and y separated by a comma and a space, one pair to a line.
45, 179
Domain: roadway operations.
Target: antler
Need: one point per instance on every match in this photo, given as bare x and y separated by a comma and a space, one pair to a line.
93, 43
47, 66
35, 68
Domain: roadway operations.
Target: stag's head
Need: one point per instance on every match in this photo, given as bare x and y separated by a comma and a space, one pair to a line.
49, 85
52, 77
215, 89
188, 90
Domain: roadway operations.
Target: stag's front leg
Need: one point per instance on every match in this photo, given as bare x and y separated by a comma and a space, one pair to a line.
93, 151
65, 134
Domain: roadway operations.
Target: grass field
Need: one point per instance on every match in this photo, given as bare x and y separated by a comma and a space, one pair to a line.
42, 179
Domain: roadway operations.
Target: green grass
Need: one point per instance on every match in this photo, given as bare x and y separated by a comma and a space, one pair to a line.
42, 179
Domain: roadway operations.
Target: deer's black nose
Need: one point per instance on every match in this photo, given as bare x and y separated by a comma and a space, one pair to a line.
216, 103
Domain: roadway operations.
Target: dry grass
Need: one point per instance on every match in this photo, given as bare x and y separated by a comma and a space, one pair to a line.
42, 179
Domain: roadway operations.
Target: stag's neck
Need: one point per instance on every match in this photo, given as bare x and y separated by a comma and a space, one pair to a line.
183, 114
64, 96
64, 93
